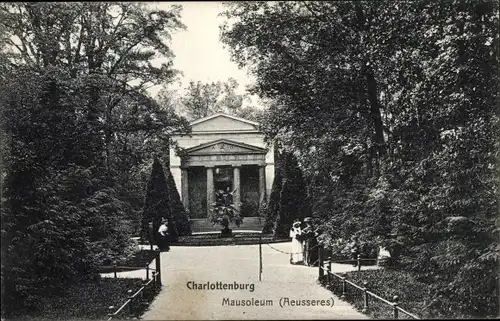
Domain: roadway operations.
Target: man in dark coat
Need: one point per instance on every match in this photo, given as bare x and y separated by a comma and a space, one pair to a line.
311, 243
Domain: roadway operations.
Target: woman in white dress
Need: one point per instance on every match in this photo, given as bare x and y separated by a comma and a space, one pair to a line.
297, 246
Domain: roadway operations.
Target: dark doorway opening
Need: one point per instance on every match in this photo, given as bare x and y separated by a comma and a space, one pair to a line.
223, 179
223, 186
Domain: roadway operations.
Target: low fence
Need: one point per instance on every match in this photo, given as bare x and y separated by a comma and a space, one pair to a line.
337, 280
151, 284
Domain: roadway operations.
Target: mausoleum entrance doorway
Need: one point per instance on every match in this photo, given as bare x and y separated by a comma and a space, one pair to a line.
223, 178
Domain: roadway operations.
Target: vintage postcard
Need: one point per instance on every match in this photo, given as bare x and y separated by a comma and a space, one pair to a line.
249, 160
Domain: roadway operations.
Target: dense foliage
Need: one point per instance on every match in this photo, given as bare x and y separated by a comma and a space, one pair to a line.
413, 296
78, 128
162, 201
293, 202
157, 203
288, 200
86, 300
391, 109
200, 100
272, 206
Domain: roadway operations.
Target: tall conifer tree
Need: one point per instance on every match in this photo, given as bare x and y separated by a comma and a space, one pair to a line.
293, 196
157, 202
178, 211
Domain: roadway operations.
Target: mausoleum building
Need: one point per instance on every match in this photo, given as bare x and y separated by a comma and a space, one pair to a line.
222, 152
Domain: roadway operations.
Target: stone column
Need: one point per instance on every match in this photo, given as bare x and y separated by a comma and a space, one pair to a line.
262, 184
269, 169
210, 188
185, 188
236, 187
177, 176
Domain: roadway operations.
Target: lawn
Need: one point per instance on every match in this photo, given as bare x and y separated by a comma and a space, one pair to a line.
87, 300
93, 299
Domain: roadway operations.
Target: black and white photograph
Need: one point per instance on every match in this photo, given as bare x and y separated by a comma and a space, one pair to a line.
250, 160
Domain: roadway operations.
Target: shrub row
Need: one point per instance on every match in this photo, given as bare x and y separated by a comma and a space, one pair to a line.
386, 283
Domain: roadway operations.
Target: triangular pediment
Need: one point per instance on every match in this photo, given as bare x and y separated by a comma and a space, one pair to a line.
225, 146
222, 123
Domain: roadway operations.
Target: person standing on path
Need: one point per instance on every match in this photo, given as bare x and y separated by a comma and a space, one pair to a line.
163, 237
355, 250
297, 256
310, 243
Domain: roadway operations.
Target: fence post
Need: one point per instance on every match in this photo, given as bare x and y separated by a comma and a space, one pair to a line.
359, 262
147, 272
114, 270
365, 296
395, 306
158, 269
344, 288
129, 306
260, 258
329, 271
111, 314
150, 232
321, 261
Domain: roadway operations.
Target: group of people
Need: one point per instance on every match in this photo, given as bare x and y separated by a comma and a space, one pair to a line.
304, 242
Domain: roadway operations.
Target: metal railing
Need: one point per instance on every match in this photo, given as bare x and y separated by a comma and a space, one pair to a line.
115, 269
364, 291
152, 283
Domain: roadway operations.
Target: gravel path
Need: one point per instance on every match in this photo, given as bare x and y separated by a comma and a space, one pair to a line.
281, 281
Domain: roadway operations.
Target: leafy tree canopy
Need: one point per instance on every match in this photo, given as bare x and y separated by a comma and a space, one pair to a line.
78, 127
205, 99
390, 108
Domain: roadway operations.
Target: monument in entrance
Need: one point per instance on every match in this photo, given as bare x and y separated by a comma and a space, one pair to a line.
222, 152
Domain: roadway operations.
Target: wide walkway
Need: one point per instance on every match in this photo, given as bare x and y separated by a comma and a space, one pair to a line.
282, 282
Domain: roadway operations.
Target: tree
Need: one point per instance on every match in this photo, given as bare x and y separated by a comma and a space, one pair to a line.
73, 101
293, 197
178, 211
272, 207
157, 205
389, 125
57, 207
205, 99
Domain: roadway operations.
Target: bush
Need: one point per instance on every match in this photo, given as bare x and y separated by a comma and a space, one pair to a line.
272, 208
64, 239
249, 209
343, 250
386, 284
293, 197
84, 300
415, 296
157, 203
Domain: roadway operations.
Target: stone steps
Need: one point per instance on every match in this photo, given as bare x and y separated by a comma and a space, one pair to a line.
204, 225
239, 238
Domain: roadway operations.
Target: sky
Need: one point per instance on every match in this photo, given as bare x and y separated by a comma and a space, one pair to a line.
199, 54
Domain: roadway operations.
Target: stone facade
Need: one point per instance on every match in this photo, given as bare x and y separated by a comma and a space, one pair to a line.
221, 152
